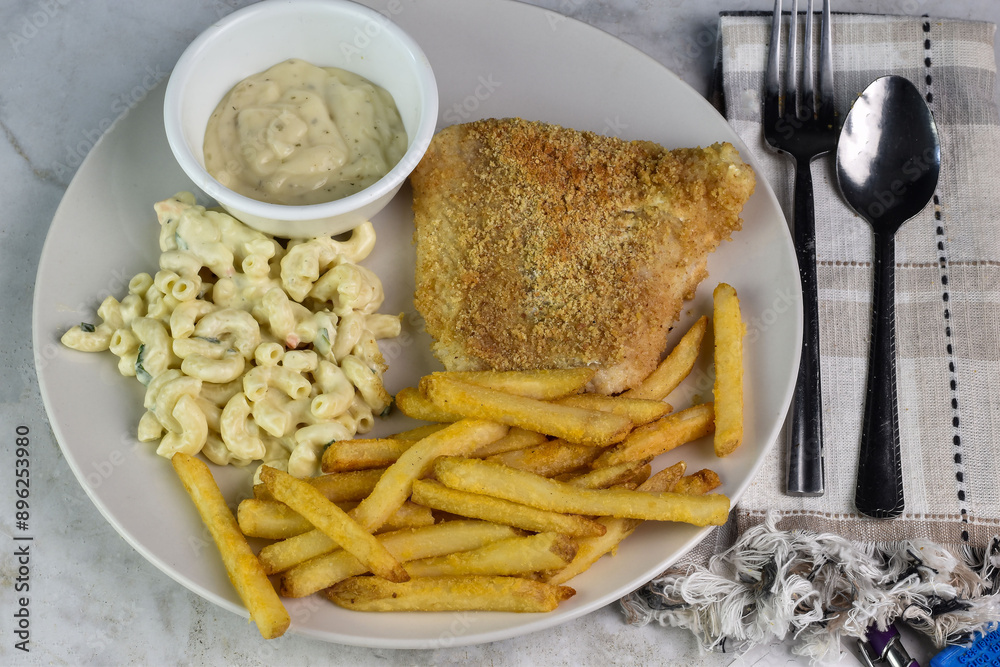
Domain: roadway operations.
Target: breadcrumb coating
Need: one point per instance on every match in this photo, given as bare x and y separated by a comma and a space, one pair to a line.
545, 247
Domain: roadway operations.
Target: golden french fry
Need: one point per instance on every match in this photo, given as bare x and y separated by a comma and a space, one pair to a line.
284, 554
493, 479
665, 480
516, 438
244, 570
414, 404
274, 520
540, 384
305, 577
512, 513
338, 526
361, 454
270, 519
641, 475
407, 515
578, 425
348, 455
603, 478
393, 488
639, 411
698, 483
675, 367
661, 436
418, 433
367, 453
463, 593
590, 549
550, 458
337, 487
512, 556
729, 331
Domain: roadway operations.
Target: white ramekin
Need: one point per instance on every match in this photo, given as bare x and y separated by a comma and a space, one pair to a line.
328, 33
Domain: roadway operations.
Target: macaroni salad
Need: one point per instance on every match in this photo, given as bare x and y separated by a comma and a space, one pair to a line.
250, 350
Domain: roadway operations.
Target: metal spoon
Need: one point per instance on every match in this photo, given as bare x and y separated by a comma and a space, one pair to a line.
888, 159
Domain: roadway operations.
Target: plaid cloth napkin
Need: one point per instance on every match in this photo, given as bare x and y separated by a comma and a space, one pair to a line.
813, 566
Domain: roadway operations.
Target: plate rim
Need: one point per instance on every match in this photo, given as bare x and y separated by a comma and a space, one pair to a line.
542, 622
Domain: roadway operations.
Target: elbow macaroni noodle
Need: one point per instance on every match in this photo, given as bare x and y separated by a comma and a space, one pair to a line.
249, 351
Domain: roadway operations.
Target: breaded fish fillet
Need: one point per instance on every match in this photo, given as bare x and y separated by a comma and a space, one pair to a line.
545, 247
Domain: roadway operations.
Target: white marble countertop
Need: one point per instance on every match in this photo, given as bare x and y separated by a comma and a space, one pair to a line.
67, 70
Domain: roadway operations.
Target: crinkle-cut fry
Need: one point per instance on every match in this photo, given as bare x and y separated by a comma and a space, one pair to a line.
348, 455
603, 478
337, 524
244, 570
337, 487
414, 404
578, 425
513, 556
698, 483
462, 593
639, 411
729, 331
541, 384
675, 367
493, 479
590, 549
393, 488
550, 458
308, 576
661, 436
516, 438
512, 513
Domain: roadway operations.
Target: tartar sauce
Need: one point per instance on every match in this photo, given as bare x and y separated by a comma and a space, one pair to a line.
301, 134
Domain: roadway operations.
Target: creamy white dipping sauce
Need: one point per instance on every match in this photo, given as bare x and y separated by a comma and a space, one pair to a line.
300, 134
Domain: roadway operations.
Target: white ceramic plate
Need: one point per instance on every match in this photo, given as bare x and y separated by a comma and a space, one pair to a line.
492, 58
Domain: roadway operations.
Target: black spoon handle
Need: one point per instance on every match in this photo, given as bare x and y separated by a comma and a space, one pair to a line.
805, 437
879, 492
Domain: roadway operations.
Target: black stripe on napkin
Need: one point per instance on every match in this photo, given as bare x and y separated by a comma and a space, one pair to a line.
943, 264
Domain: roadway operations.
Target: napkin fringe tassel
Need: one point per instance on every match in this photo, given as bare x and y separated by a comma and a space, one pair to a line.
817, 587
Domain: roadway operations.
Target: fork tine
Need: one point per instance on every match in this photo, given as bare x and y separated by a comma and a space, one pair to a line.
808, 92
771, 86
791, 88
826, 65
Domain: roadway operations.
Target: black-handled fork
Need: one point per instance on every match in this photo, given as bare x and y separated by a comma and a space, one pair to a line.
804, 131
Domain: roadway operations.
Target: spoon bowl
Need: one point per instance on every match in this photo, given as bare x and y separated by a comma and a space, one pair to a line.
888, 161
